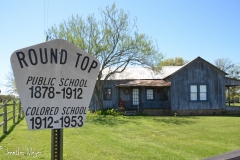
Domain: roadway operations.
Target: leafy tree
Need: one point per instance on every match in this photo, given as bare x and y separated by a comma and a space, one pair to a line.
6, 97
233, 71
114, 40
177, 61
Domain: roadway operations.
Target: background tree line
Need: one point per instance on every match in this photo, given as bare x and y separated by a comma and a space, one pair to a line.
233, 71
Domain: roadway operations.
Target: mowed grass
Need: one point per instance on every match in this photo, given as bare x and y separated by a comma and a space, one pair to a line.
233, 104
131, 137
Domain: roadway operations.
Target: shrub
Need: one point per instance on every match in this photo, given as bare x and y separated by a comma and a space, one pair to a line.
112, 112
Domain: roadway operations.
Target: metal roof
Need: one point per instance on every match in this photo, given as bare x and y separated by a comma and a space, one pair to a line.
141, 73
231, 82
134, 72
198, 58
149, 83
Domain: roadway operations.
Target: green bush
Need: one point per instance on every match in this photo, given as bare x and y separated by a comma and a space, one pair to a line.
112, 112
7, 97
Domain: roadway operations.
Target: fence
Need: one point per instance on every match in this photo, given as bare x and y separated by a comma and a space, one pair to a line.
6, 110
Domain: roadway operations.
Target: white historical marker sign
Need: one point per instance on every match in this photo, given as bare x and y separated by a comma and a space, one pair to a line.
55, 82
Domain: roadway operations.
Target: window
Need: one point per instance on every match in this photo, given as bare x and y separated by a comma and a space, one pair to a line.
193, 94
203, 92
198, 92
107, 93
149, 94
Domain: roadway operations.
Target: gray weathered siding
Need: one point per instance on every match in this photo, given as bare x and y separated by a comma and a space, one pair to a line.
113, 103
197, 72
159, 93
118, 92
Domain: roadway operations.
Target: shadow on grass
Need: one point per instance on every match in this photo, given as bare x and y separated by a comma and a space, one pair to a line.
119, 120
189, 120
111, 120
10, 129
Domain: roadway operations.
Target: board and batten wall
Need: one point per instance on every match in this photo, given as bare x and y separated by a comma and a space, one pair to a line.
114, 102
119, 92
197, 72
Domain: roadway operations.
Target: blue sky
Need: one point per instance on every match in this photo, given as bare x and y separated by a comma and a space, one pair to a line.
182, 28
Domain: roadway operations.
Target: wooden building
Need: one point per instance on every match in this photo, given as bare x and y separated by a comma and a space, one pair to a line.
197, 85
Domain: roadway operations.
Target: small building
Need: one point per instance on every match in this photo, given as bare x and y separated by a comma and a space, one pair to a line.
197, 85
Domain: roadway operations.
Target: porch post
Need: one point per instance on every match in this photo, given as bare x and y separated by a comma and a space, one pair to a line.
117, 98
229, 99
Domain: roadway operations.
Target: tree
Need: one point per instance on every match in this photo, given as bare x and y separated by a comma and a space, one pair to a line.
113, 40
226, 65
233, 71
11, 83
177, 61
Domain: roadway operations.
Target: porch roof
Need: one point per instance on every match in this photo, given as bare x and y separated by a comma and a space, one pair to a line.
232, 82
146, 83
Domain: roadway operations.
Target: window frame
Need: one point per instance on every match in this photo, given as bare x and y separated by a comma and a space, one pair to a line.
105, 95
199, 92
191, 92
147, 94
206, 92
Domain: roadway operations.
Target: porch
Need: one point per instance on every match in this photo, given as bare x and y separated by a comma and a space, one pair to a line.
144, 94
231, 99
126, 105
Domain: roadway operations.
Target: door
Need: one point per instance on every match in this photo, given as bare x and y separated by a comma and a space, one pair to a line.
135, 97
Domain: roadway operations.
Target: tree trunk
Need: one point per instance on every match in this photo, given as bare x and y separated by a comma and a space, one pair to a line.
98, 92
99, 101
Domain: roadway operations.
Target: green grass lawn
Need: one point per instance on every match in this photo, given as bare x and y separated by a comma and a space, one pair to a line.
233, 104
132, 137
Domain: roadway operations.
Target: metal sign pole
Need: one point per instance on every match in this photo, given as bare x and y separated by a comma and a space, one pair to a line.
57, 144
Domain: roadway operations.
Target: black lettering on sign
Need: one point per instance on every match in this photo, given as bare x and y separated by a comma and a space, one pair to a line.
84, 63
45, 55
33, 111
53, 55
73, 121
85, 60
39, 122
21, 59
42, 92
63, 58
32, 57
69, 93
73, 82
79, 55
74, 110
40, 80
93, 65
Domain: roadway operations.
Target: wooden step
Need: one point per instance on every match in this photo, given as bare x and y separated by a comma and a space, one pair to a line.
130, 113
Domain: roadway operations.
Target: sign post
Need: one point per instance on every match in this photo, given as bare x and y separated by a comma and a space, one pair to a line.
55, 81
57, 144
